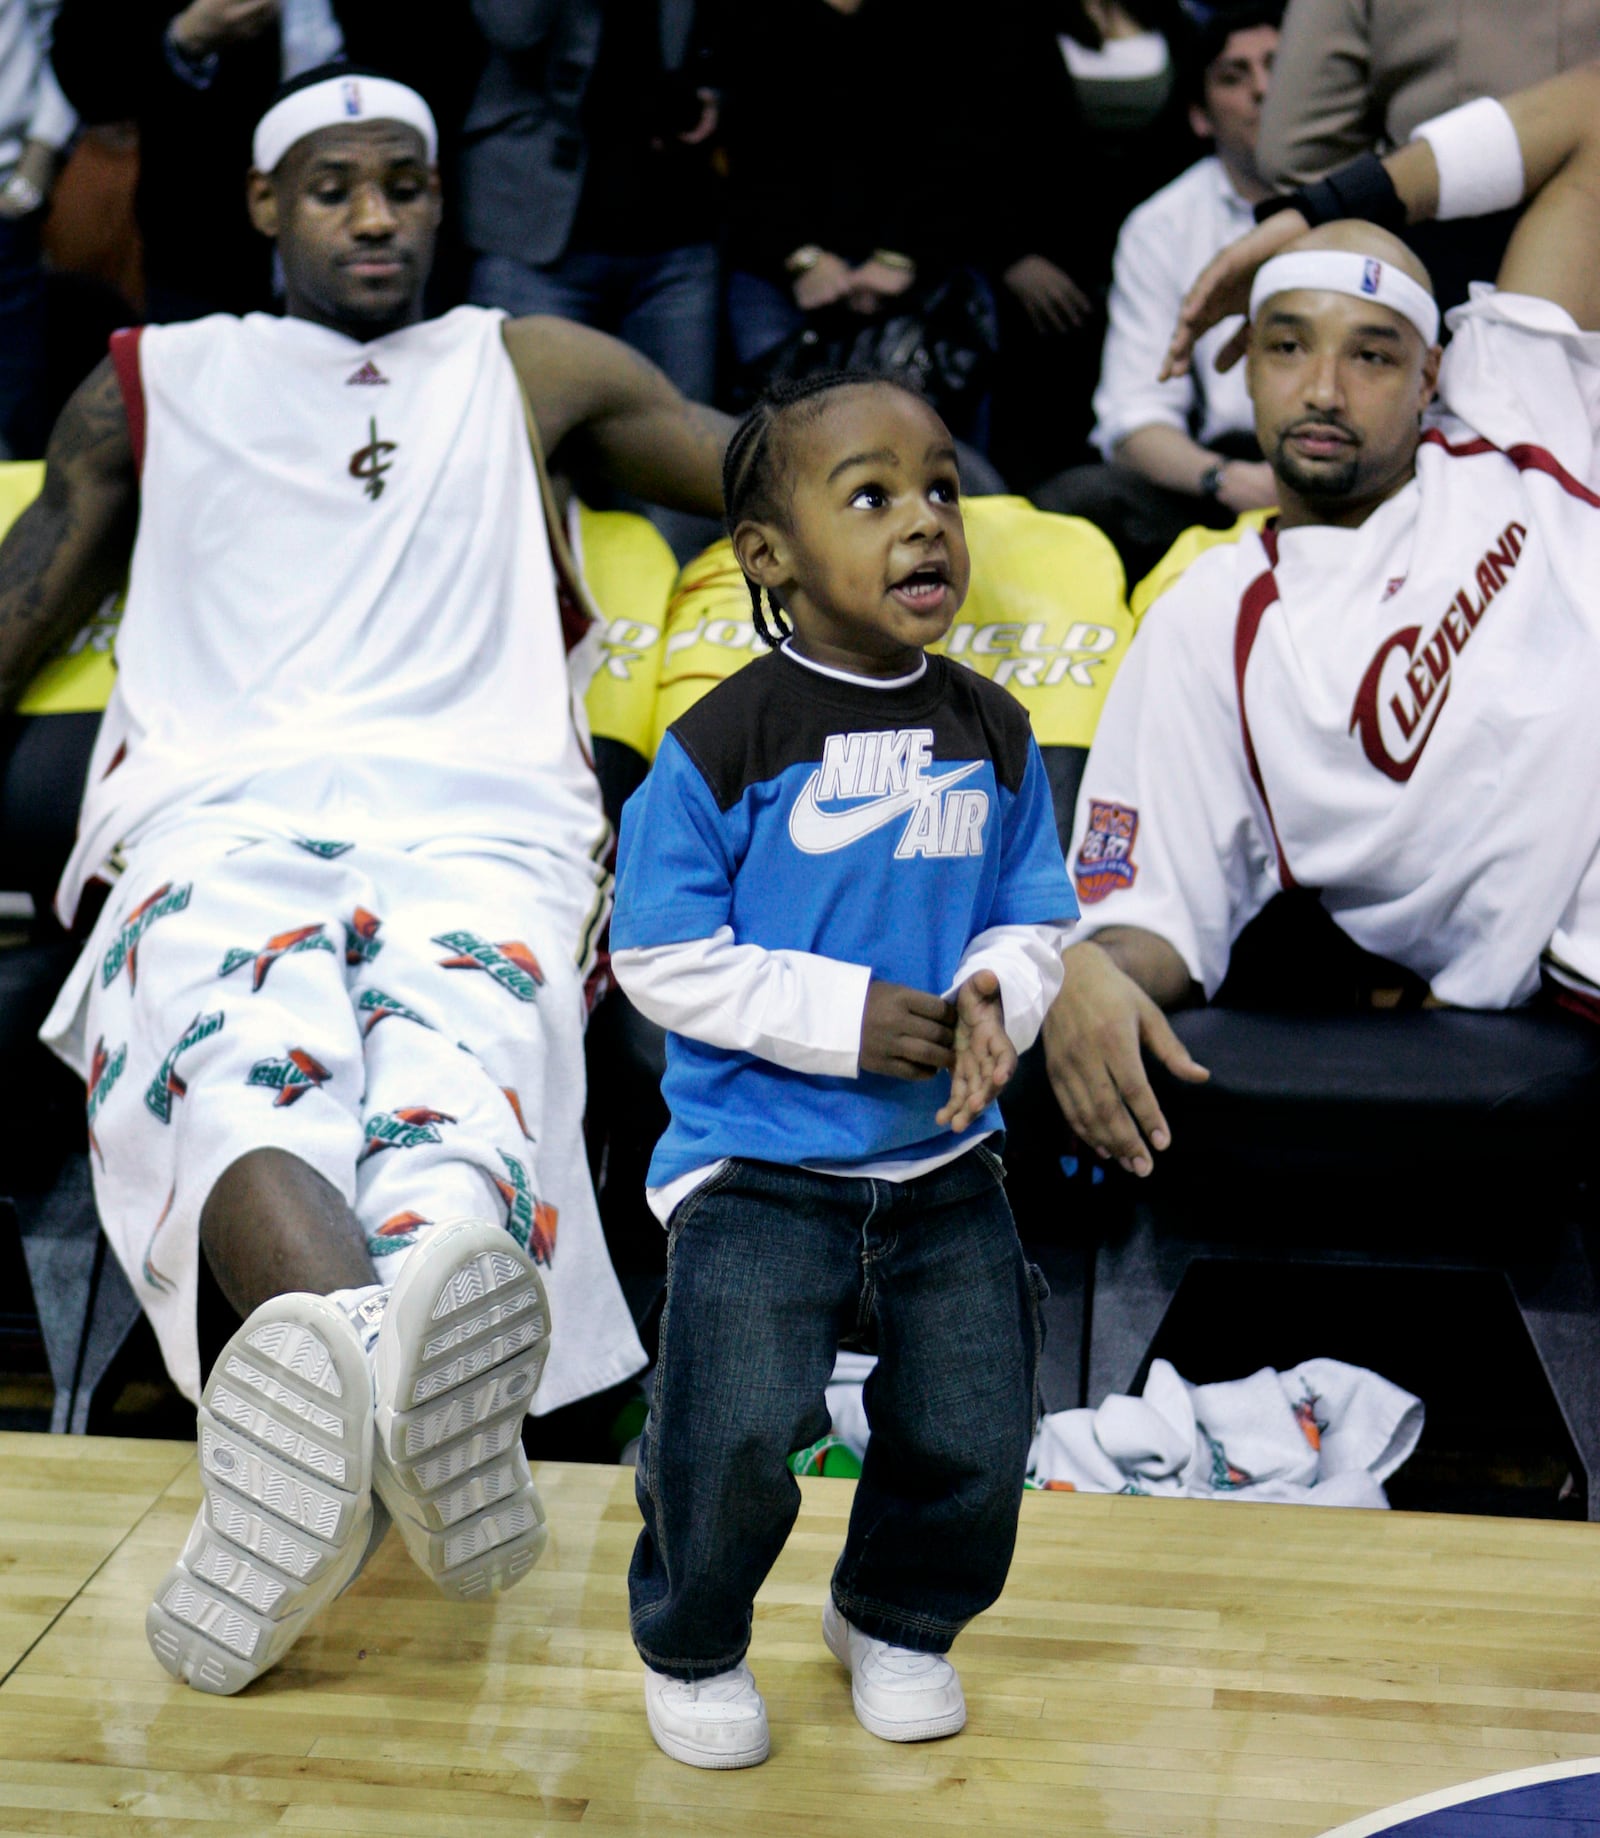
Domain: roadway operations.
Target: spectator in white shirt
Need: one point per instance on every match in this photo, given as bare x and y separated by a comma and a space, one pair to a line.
1180, 452
36, 122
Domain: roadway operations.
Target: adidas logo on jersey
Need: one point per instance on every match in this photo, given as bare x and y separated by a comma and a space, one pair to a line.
368, 373
885, 776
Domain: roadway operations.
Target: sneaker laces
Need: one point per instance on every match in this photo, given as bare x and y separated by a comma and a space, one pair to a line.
908, 1662
720, 1688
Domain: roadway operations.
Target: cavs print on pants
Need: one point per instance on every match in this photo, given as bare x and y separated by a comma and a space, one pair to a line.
397, 1233
166, 1085
361, 940
281, 944
408, 1128
512, 965
290, 1077
529, 1220
374, 1006
125, 946
104, 1071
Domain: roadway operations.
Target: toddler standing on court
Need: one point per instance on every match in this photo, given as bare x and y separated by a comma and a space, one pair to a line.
842, 893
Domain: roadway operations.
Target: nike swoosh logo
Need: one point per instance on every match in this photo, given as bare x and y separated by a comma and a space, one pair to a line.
818, 832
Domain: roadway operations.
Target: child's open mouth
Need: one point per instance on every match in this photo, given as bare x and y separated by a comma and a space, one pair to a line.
922, 591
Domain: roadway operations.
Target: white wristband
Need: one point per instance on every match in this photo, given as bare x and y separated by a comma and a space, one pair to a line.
1479, 159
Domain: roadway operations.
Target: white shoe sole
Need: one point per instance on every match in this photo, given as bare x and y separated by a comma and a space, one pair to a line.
836, 1634
697, 1755
459, 1355
285, 1443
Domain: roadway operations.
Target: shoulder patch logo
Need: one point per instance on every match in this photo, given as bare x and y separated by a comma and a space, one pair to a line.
1105, 863
166, 1085
291, 1077
870, 780
512, 965
368, 373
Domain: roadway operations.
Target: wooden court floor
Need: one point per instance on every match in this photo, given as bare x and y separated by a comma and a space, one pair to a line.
1155, 1667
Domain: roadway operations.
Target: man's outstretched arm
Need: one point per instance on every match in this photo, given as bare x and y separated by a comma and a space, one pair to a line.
612, 413
1551, 254
71, 546
1107, 1016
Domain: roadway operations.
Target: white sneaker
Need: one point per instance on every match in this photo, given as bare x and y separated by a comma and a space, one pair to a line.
717, 1722
285, 1443
899, 1694
458, 1355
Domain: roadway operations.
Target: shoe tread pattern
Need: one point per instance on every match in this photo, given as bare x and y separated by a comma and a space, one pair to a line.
286, 1511
450, 1465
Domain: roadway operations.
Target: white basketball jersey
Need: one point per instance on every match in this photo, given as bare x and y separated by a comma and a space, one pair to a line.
342, 613
1400, 716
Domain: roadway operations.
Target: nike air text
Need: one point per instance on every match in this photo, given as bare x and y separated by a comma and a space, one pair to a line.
890, 770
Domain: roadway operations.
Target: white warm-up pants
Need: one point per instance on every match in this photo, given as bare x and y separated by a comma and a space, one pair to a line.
407, 1021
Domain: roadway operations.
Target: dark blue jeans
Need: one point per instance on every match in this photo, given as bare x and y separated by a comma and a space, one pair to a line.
769, 1269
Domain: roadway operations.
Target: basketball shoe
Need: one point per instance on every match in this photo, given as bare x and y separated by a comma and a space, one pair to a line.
899, 1693
458, 1354
287, 1519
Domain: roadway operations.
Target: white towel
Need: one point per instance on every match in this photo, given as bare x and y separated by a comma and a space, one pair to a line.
1322, 1434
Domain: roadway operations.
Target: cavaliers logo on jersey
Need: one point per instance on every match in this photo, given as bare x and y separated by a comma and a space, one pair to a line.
371, 462
1105, 857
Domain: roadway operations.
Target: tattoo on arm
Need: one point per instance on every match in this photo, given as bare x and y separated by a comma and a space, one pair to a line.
71, 545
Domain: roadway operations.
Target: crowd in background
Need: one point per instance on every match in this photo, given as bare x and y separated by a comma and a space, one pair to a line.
985, 196
738, 191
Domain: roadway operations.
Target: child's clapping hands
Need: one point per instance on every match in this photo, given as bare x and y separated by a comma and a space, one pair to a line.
984, 1056
909, 1034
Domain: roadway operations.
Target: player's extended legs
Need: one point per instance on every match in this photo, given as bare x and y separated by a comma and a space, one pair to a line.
272, 1224
951, 1405
763, 1279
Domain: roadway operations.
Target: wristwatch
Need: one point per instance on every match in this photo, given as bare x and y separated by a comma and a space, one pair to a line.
1211, 478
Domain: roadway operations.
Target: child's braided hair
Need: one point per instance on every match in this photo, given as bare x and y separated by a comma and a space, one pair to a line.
752, 478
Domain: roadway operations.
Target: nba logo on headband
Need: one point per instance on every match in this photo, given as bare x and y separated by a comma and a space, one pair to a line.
1371, 276
352, 96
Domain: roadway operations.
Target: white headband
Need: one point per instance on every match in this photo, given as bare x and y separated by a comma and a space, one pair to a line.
331, 103
1342, 271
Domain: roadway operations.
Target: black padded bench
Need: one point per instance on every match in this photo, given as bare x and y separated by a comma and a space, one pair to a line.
1436, 1139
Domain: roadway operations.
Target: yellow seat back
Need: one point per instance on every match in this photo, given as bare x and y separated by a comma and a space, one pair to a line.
1191, 543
